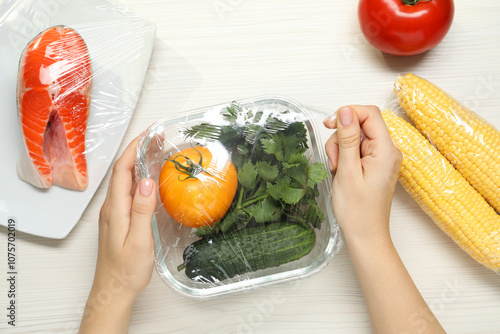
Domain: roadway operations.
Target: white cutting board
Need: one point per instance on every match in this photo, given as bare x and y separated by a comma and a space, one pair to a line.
120, 45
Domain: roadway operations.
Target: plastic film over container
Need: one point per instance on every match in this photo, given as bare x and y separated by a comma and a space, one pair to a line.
244, 198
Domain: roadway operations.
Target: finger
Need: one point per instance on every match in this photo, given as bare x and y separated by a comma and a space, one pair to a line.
332, 152
379, 142
372, 123
349, 138
120, 185
330, 122
367, 147
143, 207
106, 199
331, 145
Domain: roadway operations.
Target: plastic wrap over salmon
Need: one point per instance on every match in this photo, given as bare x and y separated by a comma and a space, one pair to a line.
54, 87
72, 73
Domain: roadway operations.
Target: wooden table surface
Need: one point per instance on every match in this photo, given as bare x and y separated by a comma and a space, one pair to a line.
213, 51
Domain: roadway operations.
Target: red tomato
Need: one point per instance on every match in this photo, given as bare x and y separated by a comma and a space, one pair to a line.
197, 185
397, 27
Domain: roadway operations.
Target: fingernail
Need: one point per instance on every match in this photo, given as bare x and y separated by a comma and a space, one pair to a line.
330, 119
345, 115
146, 187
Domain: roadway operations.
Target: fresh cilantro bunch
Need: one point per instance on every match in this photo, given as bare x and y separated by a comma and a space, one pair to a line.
276, 181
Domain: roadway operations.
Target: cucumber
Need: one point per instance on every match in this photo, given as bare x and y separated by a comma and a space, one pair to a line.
218, 258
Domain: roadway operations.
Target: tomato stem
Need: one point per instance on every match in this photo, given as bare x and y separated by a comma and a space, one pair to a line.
192, 169
413, 2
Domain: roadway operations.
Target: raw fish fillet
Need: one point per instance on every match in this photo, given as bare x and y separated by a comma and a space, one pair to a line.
53, 92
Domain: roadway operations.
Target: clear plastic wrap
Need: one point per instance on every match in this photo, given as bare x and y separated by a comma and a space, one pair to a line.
72, 72
244, 198
469, 142
53, 102
451, 165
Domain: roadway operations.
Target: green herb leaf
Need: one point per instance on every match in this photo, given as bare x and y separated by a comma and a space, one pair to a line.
274, 191
253, 133
237, 217
203, 131
299, 131
204, 231
265, 211
316, 173
292, 145
228, 135
242, 150
297, 174
247, 175
284, 191
296, 159
232, 112
276, 181
272, 145
292, 195
313, 214
267, 171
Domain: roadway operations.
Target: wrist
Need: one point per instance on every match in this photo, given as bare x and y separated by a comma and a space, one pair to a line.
116, 284
108, 310
112, 292
370, 243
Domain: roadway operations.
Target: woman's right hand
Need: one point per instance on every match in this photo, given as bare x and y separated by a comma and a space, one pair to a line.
365, 164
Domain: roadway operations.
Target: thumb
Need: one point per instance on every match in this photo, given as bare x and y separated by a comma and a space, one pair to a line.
143, 207
349, 139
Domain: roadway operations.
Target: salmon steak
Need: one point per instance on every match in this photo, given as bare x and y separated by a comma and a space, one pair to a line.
53, 101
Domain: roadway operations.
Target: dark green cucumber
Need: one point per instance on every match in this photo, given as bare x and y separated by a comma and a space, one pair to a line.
250, 249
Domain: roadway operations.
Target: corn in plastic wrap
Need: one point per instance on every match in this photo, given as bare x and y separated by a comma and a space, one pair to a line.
465, 139
445, 195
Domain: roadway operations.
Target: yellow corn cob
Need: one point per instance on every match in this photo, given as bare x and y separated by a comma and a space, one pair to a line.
465, 139
445, 195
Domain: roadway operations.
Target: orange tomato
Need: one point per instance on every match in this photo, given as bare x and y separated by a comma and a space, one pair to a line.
197, 185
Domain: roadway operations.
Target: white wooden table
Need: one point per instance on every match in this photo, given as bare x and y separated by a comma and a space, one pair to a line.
214, 51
